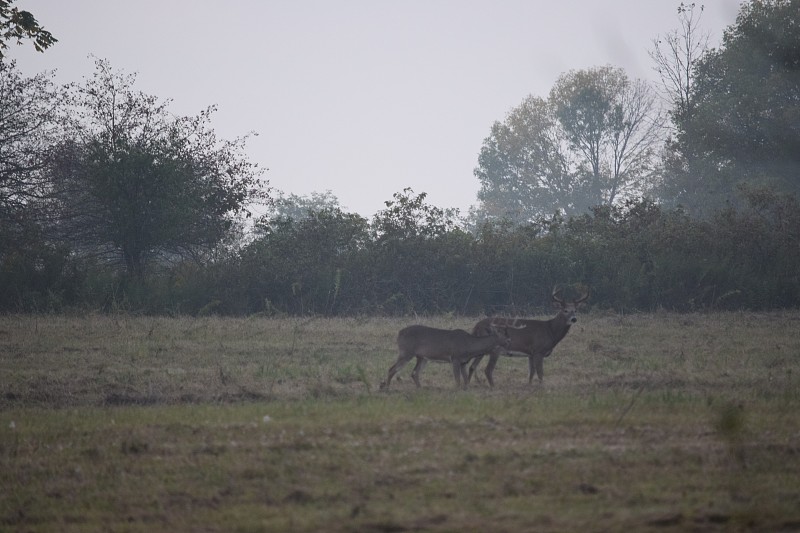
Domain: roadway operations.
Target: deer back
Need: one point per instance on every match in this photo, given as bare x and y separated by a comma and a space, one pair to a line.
434, 343
527, 335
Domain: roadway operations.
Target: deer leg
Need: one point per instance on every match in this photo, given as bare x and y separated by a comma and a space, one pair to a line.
421, 362
395, 368
464, 375
493, 357
457, 372
473, 367
535, 364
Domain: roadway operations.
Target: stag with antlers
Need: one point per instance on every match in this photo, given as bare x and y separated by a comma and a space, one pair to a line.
534, 339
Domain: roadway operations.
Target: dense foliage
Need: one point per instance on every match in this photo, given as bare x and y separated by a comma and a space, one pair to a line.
740, 121
638, 256
590, 143
133, 184
108, 201
17, 24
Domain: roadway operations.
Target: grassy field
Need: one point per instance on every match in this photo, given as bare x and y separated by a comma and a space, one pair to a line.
659, 422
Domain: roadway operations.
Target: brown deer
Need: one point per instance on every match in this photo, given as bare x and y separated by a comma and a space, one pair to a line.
532, 338
455, 346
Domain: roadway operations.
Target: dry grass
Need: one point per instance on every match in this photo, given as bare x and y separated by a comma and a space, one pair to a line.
646, 422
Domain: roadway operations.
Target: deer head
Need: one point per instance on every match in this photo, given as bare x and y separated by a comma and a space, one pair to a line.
502, 334
567, 310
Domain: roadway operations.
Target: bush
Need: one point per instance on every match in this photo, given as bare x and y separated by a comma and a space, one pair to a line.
414, 260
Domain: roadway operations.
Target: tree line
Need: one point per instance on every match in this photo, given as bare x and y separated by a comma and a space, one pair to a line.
414, 258
108, 201
600, 138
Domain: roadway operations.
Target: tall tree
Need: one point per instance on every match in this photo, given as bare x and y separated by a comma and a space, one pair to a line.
523, 165
592, 142
16, 25
29, 109
299, 207
306, 264
415, 257
30, 264
613, 123
133, 183
676, 56
409, 216
744, 128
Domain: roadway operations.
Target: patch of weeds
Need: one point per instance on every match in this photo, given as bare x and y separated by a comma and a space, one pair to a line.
672, 396
345, 374
298, 497
362, 377
211, 449
121, 399
730, 421
134, 447
354, 373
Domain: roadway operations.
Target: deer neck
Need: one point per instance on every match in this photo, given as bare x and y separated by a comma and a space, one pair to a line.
557, 328
491, 341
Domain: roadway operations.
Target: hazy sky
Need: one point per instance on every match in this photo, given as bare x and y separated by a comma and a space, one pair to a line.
360, 97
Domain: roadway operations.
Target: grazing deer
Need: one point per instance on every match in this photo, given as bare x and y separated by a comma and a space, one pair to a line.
455, 346
532, 338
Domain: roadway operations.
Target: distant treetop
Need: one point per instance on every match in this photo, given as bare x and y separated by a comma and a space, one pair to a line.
16, 25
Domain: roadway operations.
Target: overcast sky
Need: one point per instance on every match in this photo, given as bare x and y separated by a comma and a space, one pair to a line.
360, 97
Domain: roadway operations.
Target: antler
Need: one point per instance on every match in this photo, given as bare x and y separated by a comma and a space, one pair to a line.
583, 298
556, 292
557, 299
